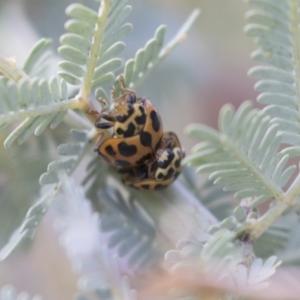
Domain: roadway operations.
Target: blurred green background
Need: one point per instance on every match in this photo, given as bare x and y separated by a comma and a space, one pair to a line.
191, 85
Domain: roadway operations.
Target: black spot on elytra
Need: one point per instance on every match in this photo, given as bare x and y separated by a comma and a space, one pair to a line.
143, 159
145, 186
176, 175
124, 118
127, 150
177, 163
160, 176
165, 163
141, 120
145, 138
128, 132
121, 163
170, 174
155, 120
110, 151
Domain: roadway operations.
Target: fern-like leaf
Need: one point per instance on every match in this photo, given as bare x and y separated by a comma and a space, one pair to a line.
81, 237
216, 259
37, 59
33, 98
244, 156
214, 198
147, 58
27, 97
129, 229
275, 25
36, 213
273, 241
40, 101
29, 225
92, 42
72, 155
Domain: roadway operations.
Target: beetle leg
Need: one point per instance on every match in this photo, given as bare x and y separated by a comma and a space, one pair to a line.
93, 112
103, 115
97, 143
125, 90
108, 117
104, 103
104, 125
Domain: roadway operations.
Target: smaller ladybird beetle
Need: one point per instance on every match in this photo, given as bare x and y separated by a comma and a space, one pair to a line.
137, 133
160, 173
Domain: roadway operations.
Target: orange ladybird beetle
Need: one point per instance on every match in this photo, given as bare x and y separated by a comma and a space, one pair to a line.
162, 171
137, 130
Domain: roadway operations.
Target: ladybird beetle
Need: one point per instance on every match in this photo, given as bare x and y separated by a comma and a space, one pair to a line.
137, 133
128, 116
160, 173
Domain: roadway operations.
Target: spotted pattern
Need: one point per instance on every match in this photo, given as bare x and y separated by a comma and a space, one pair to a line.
167, 163
123, 118
163, 171
141, 119
126, 149
145, 138
165, 159
131, 122
128, 132
155, 121
109, 150
121, 163
147, 158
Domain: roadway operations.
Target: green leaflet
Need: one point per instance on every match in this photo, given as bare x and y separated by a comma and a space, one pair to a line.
73, 153
87, 36
244, 156
275, 26
36, 57
36, 97
36, 213
147, 58
129, 229
212, 197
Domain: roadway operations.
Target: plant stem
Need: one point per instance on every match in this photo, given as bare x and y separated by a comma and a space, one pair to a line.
275, 191
259, 227
262, 224
93, 57
42, 110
